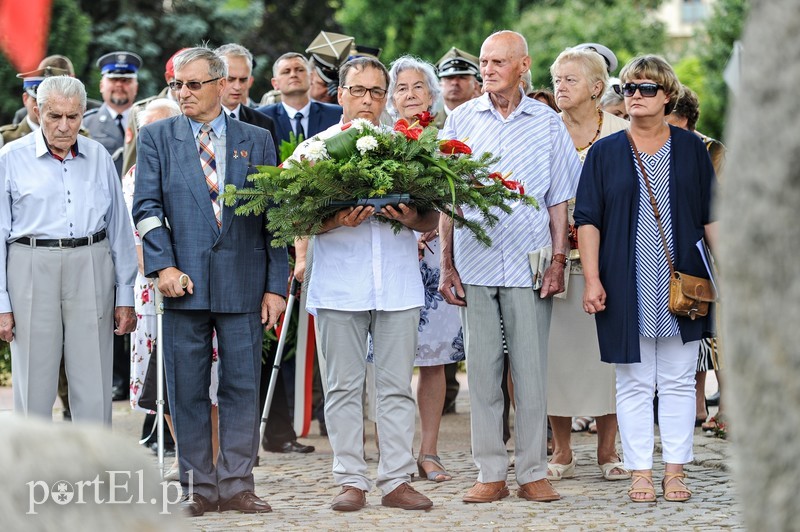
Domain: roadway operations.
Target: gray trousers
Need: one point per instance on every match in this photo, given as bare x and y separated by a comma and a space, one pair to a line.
343, 336
526, 321
62, 298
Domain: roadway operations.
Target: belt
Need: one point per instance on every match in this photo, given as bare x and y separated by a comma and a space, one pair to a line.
62, 242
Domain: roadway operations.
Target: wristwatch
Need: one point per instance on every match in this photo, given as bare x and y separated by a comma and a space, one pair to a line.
560, 258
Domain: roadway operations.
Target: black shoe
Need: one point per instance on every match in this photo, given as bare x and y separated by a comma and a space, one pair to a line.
713, 400
120, 393
196, 505
169, 449
67, 414
288, 447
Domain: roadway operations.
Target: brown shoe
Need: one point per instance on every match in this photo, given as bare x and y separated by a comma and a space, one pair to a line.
245, 502
349, 499
195, 505
538, 491
407, 498
486, 492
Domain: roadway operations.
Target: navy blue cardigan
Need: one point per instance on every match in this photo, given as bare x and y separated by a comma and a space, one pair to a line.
608, 198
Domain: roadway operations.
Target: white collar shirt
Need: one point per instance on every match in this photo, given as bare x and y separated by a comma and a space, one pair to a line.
363, 268
47, 198
534, 145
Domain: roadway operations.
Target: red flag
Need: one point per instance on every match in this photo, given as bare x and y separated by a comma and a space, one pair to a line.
24, 26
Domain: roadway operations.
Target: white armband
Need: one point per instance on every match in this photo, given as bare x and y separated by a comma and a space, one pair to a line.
148, 224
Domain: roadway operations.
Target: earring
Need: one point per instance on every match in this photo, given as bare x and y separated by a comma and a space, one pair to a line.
594, 96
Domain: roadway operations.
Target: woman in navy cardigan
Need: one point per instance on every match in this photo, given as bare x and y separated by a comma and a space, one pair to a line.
627, 276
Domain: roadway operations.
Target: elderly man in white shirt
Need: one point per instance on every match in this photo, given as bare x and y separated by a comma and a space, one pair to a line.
66, 244
366, 280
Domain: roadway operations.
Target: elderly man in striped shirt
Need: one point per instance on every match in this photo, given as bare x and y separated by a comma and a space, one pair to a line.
494, 282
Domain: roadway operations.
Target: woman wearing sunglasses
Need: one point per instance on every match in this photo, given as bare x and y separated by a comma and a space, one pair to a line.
627, 275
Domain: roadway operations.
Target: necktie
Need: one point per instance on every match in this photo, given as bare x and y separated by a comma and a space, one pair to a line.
233, 115
298, 126
209, 164
119, 125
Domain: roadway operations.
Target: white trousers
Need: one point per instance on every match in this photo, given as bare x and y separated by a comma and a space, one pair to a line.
667, 365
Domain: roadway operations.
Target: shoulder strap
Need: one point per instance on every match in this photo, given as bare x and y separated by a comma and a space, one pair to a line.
653, 202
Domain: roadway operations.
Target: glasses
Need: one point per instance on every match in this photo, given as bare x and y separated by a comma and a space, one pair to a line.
358, 91
191, 85
648, 90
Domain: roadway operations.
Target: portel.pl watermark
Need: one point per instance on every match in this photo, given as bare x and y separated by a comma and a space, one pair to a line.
116, 487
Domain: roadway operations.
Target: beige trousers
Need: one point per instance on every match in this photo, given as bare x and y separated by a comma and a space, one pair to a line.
62, 298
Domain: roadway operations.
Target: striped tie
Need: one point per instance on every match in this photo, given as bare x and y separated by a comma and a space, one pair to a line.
209, 164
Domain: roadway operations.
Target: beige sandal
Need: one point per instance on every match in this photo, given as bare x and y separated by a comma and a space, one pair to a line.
608, 471
649, 489
672, 479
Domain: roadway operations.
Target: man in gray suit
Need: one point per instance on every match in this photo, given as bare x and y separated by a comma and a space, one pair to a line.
217, 271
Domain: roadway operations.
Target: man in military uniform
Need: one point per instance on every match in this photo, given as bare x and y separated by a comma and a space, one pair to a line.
132, 132
25, 120
460, 79
118, 87
11, 132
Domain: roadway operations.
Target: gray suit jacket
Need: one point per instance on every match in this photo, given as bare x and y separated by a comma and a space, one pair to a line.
231, 269
104, 130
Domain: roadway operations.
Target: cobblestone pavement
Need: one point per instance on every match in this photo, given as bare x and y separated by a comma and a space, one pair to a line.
300, 488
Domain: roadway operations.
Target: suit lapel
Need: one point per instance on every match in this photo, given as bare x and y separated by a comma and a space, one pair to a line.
314, 119
185, 151
237, 163
284, 124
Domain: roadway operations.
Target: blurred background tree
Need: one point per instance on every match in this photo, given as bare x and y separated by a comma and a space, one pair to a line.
86, 29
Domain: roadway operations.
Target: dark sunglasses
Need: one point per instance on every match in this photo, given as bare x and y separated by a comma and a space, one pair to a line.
193, 86
648, 90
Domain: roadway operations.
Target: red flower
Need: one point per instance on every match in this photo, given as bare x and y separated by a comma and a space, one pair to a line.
424, 118
411, 133
453, 146
516, 186
145, 296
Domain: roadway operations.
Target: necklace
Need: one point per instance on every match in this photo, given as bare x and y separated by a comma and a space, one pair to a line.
597, 133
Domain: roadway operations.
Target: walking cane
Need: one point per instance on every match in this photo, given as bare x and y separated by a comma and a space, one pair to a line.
159, 375
276, 365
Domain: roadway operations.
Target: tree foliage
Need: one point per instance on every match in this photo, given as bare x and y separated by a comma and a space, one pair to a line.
424, 28
723, 28
625, 26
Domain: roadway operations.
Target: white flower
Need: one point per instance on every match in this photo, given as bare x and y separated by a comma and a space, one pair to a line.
316, 151
360, 124
365, 144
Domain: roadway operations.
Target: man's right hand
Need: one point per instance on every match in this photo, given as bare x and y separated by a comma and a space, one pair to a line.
169, 282
450, 286
7, 326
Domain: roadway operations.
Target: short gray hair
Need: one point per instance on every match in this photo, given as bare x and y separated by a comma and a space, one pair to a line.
217, 68
408, 62
156, 110
60, 86
290, 55
235, 50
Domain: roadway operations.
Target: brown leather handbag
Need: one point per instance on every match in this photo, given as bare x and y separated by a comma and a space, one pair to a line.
689, 296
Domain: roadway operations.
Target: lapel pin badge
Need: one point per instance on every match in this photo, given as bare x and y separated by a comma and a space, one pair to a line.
235, 154
244, 153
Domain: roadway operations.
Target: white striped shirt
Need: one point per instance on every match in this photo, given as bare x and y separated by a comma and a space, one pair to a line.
533, 144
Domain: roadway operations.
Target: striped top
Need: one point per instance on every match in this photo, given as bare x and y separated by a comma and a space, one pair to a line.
652, 270
533, 143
